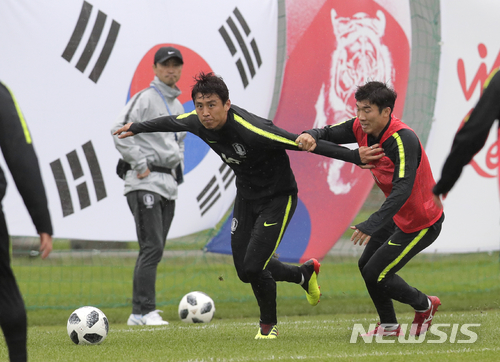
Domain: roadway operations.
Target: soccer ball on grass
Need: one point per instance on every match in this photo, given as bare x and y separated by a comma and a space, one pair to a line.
196, 307
87, 325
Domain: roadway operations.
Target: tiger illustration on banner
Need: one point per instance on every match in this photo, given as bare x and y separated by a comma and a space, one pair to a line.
360, 55
329, 53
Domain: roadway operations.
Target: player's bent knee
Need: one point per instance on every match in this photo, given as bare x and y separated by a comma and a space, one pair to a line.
369, 276
243, 277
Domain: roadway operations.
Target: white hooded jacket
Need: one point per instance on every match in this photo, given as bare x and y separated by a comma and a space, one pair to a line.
158, 149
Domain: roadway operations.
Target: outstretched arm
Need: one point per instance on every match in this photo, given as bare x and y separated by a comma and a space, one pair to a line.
183, 122
124, 131
267, 135
307, 143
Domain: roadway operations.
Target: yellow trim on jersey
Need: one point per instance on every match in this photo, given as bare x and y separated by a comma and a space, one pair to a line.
401, 150
487, 81
185, 115
410, 246
285, 220
486, 84
338, 124
263, 133
21, 117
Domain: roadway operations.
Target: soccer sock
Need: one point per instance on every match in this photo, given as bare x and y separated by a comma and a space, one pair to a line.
266, 328
302, 281
423, 311
304, 270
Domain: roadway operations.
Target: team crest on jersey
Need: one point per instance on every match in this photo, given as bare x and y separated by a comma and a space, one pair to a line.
234, 225
230, 159
149, 200
239, 149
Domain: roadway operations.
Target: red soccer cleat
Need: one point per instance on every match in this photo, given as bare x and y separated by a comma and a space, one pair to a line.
423, 320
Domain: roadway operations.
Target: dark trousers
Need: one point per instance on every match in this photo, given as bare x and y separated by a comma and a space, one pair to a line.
256, 232
388, 250
12, 312
153, 216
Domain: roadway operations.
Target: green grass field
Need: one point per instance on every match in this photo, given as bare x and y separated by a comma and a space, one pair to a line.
468, 285
319, 338
68, 282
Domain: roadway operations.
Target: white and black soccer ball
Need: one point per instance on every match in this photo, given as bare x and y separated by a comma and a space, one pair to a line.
87, 325
196, 307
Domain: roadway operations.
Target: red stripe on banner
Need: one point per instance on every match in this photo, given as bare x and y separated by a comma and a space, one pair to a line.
345, 45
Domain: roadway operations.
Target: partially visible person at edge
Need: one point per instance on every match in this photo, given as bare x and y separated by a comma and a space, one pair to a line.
19, 154
471, 138
153, 165
266, 197
407, 222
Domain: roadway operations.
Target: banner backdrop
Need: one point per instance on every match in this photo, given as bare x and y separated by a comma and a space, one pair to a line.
332, 47
347, 44
73, 65
470, 50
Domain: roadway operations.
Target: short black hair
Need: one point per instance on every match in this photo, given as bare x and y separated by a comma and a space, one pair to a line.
208, 84
377, 93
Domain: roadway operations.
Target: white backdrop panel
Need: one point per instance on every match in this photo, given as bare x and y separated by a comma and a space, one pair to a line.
469, 35
65, 109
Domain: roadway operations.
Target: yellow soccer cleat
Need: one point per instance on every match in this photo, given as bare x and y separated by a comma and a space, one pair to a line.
310, 271
273, 333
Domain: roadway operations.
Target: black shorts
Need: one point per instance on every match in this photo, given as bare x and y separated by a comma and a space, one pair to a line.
389, 249
257, 229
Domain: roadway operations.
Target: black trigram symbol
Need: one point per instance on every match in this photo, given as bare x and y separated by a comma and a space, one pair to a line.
212, 192
243, 44
77, 172
92, 42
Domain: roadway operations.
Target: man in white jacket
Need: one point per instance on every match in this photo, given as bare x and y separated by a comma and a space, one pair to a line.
153, 168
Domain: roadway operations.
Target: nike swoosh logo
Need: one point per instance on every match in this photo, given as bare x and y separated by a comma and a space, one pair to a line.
430, 316
391, 243
266, 224
211, 141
